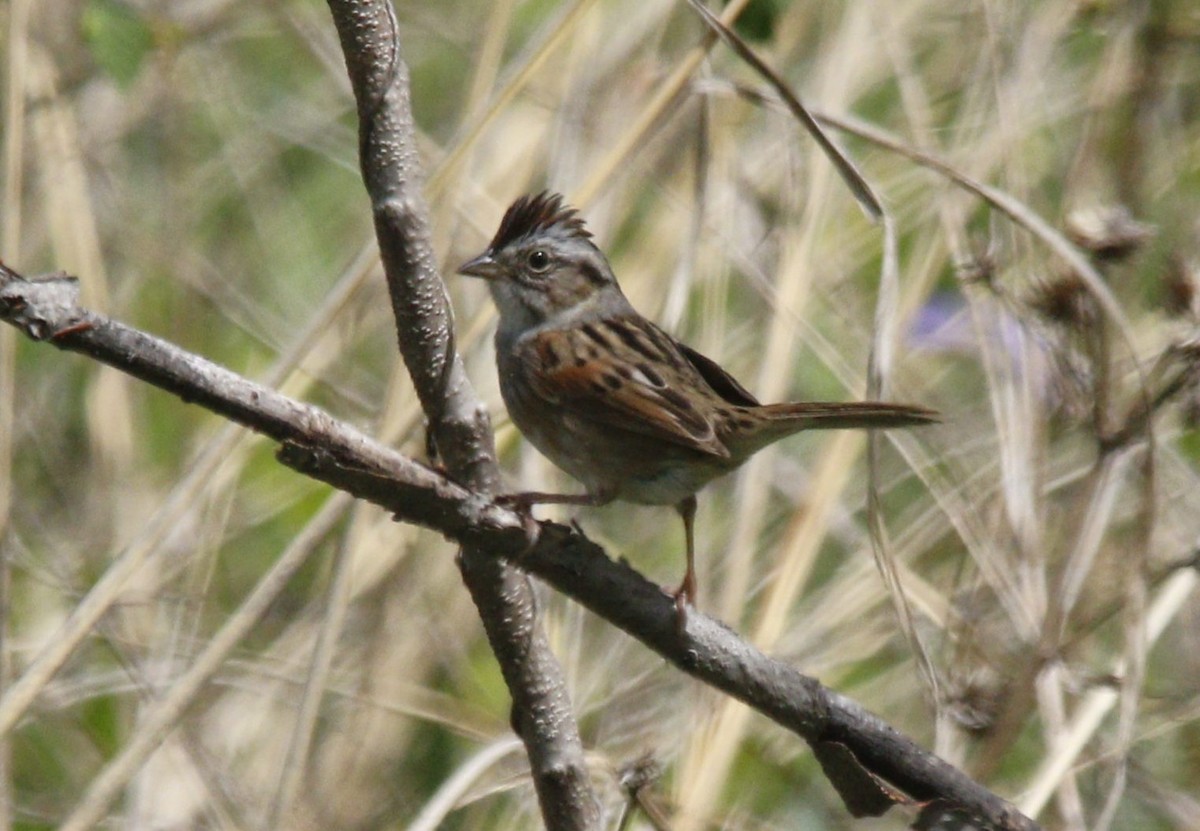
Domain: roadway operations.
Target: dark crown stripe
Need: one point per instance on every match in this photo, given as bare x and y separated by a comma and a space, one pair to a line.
535, 214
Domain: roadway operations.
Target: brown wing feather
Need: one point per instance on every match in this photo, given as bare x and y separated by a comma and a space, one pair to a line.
571, 370
724, 384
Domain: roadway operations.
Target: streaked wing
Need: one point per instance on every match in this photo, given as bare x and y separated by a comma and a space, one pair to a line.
625, 373
724, 384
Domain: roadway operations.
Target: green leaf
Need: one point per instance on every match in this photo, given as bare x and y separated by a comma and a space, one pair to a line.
118, 37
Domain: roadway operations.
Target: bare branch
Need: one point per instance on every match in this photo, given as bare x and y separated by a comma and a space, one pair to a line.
319, 446
458, 421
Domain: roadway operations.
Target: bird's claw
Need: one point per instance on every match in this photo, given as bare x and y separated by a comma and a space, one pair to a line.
524, 510
684, 596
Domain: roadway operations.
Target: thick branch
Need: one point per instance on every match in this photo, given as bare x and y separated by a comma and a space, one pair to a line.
318, 446
392, 172
458, 421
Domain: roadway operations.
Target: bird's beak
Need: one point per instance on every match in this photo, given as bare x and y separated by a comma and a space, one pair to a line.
482, 266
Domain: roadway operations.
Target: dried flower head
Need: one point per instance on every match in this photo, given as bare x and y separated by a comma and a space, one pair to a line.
1180, 289
1191, 411
979, 269
1067, 301
1108, 231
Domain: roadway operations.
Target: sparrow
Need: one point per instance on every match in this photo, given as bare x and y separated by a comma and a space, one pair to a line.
610, 398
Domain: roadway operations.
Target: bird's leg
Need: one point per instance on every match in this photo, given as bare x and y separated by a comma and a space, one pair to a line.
685, 595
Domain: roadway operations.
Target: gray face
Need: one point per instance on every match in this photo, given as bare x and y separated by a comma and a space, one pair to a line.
544, 271
537, 279
549, 275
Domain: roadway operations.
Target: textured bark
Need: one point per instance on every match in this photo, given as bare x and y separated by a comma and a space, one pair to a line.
458, 421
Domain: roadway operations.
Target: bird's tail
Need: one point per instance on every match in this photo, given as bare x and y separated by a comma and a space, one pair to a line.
786, 419
817, 415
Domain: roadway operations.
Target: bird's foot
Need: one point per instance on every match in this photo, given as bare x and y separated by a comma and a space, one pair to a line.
519, 504
684, 597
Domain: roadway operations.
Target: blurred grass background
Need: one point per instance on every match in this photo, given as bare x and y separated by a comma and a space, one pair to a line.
194, 163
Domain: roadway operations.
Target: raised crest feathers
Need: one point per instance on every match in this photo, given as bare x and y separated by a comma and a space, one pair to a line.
533, 214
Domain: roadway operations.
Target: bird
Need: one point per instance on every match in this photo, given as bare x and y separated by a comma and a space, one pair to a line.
623, 407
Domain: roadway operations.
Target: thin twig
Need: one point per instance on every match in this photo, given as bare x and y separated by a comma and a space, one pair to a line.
295, 761
160, 717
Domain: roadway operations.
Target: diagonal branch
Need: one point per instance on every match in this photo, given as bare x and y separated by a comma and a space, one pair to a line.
319, 446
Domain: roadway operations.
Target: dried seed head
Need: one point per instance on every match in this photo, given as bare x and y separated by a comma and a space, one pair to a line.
977, 270
640, 773
1066, 301
981, 264
975, 704
1191, 411
1179, 288
1187, 355
1108, 231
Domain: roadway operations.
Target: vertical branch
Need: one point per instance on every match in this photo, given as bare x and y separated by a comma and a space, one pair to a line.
458, 421
10, 239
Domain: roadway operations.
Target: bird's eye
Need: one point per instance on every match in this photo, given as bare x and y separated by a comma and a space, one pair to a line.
538, 260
